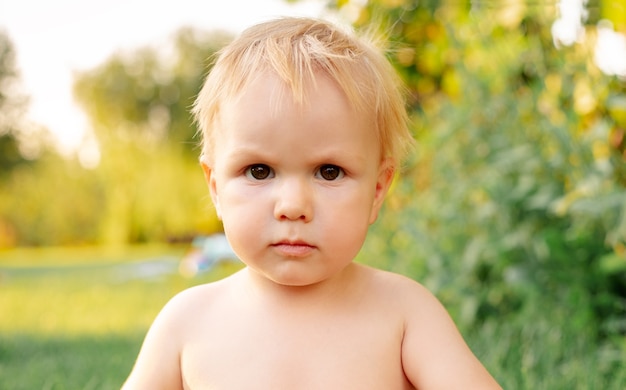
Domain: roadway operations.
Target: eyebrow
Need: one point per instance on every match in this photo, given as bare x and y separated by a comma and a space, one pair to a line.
335, 156
243, 154
240, 149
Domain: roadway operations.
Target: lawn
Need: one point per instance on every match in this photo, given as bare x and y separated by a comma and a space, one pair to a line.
75, 318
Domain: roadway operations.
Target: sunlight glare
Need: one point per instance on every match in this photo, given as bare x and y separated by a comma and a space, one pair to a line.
89, 152
610, 50
610, 47
568, 28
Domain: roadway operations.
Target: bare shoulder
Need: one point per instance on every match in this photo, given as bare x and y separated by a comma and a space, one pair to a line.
174, 316
191, 298
158, 363
401, 289
434, 354
189, 307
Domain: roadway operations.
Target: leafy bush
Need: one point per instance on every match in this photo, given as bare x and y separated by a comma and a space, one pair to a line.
513, 208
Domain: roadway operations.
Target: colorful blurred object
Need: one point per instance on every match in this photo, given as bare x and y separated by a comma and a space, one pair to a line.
205, 253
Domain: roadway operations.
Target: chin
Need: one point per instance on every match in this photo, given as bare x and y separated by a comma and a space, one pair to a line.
297, 274
295, 281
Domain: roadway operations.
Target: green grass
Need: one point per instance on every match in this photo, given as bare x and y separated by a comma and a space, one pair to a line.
75, 319
63, 256
30, 361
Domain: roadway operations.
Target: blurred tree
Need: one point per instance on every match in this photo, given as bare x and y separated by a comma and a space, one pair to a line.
149, 90
11, 108
52, 201
139, 108
30, 171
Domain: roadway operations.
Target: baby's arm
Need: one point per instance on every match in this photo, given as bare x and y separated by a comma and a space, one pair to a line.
434, 354
158, 363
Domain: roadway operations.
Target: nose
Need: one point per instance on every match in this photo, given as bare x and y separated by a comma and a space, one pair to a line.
293, 201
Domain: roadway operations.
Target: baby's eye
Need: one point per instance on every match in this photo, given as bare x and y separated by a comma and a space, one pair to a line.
330, 172
259, 172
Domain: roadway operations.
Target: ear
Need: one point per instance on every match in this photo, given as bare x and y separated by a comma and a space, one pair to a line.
386, 171
210, 180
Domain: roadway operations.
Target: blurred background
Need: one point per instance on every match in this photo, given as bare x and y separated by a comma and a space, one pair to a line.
512, 208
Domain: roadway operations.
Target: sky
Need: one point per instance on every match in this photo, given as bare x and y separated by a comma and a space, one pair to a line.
55, 38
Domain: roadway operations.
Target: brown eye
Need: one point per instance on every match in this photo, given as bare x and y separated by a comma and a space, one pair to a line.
259, 172
330, 172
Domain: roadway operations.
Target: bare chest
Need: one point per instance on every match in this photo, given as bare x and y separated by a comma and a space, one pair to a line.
295, 353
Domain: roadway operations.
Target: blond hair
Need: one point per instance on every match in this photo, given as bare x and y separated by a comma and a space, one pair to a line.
295, 49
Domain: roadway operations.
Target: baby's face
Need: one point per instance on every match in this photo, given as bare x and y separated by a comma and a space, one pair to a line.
296, 186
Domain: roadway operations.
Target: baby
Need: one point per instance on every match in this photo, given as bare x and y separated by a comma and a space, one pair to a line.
303, 128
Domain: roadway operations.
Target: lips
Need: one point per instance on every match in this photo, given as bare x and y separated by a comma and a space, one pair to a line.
295, 248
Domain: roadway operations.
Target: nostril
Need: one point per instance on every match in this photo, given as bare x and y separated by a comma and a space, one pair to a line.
293, 217
293, 212
293, 201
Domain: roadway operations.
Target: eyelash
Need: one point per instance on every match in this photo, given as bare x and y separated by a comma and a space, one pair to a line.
260, 172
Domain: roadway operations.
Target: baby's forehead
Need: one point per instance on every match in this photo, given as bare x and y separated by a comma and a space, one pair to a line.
267, 120
268, 98
269, 90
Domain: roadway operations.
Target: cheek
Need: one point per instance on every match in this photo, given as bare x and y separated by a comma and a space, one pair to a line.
346, 218
239, 209
244, 235
244, 216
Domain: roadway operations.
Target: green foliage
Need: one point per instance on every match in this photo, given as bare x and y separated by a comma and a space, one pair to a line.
10, 156
543, 355
11, 108
149, 177
50, 201
513, 209
143, 97
25, 150
9, 77
146, 184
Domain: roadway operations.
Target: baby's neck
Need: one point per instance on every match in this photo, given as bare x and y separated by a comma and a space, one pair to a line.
343, 284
